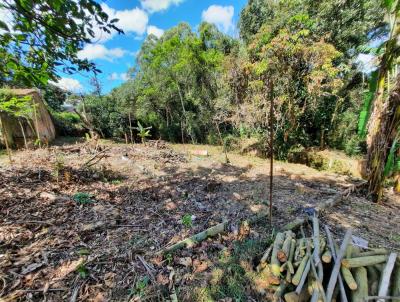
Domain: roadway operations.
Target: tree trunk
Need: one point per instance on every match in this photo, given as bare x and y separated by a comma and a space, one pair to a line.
130, 127
23, 133
5, 135
383, 130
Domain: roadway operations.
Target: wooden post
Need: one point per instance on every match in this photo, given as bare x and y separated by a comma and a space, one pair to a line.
130, 127
5, 134
271, 147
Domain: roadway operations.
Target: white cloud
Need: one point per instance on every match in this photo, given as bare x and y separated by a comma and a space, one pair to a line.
98, 51
158, 5
158, 32
130, 21
68, 84
221, 16
118, 76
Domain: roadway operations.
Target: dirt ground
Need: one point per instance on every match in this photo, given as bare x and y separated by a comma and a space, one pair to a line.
86, 223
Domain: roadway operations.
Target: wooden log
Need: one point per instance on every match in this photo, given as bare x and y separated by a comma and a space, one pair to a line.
346, 273
331, 245
294, 224
283, 267
374, 252
327, 256
275, 263
296, 278
348, 278
387, 272
283, 254
280, 291
288, 277
303, 276
290, 267
191, 241
316, 253
364, 261
359, 295
304, 296
266, 254
336, 267
373, 280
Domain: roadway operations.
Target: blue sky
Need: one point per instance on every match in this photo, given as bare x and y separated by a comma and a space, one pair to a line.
115, 54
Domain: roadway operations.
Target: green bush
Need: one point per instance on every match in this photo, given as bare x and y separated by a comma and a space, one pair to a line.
67, 123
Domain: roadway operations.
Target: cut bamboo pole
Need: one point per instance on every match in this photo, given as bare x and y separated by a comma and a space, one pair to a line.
348, 278
303, 276
336, 267
331, 244
304, 296
327, 256
296, 278
189, 242
359, 295
364, 261
396, 282
283, 254
374, 252
266, 255
373, 280
387, 272
275, 263
291, 256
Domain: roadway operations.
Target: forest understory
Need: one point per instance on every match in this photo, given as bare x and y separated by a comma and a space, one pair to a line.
86, 223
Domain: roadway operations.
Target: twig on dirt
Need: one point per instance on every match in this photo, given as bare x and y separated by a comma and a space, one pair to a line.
41, 290
92, 161
147, 267
30, 222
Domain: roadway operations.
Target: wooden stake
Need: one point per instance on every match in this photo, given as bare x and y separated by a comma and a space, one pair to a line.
331, 244
336, 267
387, 272
271, 147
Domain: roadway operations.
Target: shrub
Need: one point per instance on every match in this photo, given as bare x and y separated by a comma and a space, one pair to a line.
67, 123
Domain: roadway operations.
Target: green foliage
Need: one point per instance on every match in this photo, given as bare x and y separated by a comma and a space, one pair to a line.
67, 123
391, 162
140, 287
83, 198
45, 37
16, 106
143, 132
82, 270
187, 220
54, 97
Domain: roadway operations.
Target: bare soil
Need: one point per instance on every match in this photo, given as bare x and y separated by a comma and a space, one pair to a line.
54, 248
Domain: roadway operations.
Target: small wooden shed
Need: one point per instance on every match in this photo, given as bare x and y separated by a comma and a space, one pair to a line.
42, 123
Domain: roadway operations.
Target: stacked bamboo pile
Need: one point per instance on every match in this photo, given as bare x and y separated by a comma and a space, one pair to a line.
316, 268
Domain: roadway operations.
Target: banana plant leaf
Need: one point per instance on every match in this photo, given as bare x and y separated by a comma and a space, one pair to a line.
391, 163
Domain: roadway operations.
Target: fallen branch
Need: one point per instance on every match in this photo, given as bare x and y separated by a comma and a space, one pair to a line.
191, 241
